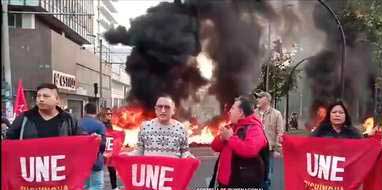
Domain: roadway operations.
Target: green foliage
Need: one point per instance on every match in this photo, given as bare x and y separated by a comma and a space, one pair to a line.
280, 79
365, 16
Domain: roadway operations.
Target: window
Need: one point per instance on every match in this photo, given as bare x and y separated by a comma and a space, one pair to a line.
26, 21
15, 20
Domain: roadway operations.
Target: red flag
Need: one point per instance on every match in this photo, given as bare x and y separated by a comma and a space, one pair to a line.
328, 163
20, 102
374, 180
114, 144
155, 172
48, 163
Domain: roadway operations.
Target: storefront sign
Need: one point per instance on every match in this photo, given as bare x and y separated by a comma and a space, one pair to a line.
64, 81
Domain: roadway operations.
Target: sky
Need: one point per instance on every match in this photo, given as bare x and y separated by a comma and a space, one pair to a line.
128, 9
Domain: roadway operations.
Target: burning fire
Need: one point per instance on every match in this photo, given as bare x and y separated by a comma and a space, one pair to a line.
318, 117
130, 118
368, 124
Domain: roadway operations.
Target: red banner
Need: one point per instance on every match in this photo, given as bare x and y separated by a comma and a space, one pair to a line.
327, 163
148, 172
48, 163
114, 144
20, 102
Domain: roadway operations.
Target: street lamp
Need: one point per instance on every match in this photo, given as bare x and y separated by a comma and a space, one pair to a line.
287, 95
334, 15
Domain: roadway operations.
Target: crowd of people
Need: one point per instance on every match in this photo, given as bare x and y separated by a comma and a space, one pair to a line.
247, 146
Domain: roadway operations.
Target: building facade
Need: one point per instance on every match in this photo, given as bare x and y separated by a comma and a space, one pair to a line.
46, 45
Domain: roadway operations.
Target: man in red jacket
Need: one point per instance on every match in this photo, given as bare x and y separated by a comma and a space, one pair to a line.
243, 149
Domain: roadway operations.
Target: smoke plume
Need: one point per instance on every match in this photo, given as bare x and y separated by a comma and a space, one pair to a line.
323, 69
164, 39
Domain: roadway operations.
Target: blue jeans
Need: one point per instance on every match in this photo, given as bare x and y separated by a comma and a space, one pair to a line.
95, 181
268, 183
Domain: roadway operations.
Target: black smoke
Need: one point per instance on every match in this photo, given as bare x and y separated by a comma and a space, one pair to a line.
163, 41
323, 70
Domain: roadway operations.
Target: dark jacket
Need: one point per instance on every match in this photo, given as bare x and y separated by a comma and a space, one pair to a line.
69, 125
326, 130
242, 149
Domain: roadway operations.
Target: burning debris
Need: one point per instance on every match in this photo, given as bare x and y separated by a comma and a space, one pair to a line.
130, 118
232, 39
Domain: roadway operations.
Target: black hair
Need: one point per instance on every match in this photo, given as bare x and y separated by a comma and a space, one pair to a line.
347, 115
164, 95
90, 108
5, 121
246, 104
47, 85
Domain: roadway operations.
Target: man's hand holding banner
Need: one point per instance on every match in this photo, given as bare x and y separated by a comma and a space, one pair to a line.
61, 163
327, 163
148, 172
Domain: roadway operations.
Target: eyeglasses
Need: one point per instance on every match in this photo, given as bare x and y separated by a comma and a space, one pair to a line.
159, 107
108, 113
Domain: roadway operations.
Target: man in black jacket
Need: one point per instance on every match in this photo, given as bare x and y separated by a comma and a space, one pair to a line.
46, 119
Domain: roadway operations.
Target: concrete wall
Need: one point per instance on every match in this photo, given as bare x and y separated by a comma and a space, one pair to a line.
30, 55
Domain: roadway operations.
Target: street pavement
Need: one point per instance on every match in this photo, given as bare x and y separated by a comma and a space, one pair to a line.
203, 175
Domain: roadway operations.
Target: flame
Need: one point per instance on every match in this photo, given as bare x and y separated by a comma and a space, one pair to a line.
368, 124
204, 134
317, 119
130, 118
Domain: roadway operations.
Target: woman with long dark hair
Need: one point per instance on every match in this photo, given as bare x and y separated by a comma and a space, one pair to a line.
105, 116
337, 124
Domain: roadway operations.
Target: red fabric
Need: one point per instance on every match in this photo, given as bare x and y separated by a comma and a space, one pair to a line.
21, 104
374, 180
177, 171
254, 141
114, 144
356, 157
73, 156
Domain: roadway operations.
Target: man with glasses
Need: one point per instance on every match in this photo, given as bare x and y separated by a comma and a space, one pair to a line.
163, 136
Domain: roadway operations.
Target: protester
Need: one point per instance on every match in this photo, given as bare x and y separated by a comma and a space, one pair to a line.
93, 126
337, 124
5, 124
243, 148
46, 119
163, 136
105, 116
273, 125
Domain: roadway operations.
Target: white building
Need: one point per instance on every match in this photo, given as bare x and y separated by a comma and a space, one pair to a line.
120, 83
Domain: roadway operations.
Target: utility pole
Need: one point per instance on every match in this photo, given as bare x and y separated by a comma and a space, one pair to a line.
269, 60
5, 59
100, 73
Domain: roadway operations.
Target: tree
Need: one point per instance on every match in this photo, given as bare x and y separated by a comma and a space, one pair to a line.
366, 16
280, 67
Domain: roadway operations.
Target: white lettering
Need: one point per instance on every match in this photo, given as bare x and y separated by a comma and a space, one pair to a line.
324, 167
109, 143
135, 181
42, 168
312, 172
163, 179
56, 169
39, 168
24, 169
152, 176
335, 169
